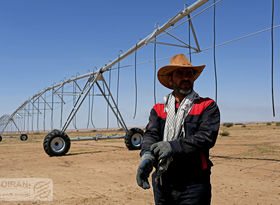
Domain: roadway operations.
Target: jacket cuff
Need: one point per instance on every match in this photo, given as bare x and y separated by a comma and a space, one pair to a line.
176, 146
148, 155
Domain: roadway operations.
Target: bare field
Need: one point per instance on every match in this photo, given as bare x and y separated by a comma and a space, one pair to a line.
246, 168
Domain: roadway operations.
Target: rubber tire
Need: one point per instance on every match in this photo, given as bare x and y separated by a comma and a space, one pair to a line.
23, 137
129, 138
0, 138
51, 136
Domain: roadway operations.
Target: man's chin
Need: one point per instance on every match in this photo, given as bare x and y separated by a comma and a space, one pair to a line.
185, 91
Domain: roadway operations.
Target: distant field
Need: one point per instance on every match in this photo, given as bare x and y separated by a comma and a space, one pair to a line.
246, 167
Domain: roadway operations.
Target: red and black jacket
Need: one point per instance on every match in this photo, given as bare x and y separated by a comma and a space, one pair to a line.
190, 152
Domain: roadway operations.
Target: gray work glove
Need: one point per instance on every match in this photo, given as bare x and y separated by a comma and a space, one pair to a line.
161, 150
144, 170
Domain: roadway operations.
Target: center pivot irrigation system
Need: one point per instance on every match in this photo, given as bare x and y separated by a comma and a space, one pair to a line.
57, 142
33, 114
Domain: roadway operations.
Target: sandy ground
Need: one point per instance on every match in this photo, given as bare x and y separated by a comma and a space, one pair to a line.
246, 168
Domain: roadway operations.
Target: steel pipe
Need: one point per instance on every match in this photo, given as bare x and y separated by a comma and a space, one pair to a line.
95, 138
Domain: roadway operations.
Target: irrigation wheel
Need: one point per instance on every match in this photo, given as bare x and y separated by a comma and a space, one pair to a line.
133, 138
56, 143
23, 137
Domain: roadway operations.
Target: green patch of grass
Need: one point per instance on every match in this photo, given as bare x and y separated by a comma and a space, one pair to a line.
224, 133
228, 124
268, 123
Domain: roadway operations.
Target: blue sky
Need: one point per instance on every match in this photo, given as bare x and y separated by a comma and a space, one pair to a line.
43, 42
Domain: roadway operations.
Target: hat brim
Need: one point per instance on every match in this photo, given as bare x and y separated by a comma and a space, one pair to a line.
165, 71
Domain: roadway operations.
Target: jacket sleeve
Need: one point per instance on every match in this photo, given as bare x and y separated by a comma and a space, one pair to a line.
205, 136
152, 133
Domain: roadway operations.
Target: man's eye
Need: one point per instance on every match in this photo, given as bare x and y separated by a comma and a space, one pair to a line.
179, 73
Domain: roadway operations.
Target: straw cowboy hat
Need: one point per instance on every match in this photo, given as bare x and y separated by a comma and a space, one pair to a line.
177, 61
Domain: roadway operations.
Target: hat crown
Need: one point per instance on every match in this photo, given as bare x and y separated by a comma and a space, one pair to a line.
180, 60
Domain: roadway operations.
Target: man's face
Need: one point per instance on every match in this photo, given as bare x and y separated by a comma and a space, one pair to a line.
182, 81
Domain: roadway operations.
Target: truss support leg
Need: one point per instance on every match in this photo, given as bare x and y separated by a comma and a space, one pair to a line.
82, 96
116, 112
85, 92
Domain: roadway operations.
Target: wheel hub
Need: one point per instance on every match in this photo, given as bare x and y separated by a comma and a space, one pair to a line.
57, 144
136, 140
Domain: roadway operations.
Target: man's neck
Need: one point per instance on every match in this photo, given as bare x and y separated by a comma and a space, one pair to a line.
179, 97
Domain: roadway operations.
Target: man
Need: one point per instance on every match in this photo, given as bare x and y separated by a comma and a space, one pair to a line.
178, 137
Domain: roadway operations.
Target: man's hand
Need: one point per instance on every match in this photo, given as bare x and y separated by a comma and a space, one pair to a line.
144, 170
161, 150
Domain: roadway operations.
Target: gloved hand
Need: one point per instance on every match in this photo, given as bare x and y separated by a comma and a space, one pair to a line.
162, 167
161, 150
144, 170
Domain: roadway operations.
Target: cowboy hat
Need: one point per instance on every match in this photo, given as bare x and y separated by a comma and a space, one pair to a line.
177, 61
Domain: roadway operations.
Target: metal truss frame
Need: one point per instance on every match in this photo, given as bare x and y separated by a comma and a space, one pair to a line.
39, 104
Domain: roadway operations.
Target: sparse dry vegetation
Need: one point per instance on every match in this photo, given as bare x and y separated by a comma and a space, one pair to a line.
224, 133
246, 167
228, 124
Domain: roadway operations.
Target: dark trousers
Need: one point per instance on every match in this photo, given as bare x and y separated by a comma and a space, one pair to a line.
192, 194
